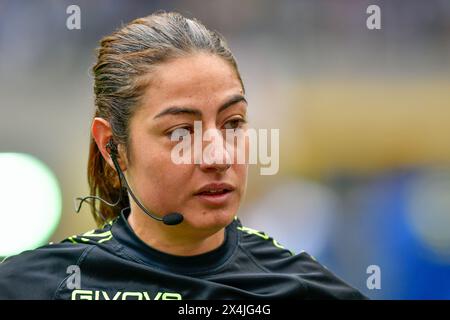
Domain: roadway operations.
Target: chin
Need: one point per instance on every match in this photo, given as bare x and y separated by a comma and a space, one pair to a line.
212, 220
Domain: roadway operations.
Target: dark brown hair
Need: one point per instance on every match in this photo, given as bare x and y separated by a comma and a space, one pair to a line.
121, 75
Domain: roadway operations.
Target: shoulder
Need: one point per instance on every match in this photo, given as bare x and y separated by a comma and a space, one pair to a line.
261, 245
273, 257
37, 274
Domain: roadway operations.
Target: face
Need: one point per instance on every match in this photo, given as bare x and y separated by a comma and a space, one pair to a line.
209, 87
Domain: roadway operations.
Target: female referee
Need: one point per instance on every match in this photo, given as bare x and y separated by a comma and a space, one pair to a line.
168, 231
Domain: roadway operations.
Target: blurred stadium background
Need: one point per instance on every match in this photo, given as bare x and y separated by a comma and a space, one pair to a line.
364, 119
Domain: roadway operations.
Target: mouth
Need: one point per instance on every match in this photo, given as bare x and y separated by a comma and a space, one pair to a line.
215, 194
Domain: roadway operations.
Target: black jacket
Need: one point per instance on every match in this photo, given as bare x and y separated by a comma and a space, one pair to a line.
113, 263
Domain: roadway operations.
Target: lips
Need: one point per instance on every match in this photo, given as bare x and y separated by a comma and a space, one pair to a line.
215, 195
215, 189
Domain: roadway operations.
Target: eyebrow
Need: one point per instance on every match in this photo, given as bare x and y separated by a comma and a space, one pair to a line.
176, 110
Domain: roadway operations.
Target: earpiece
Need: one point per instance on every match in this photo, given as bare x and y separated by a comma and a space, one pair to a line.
111, 147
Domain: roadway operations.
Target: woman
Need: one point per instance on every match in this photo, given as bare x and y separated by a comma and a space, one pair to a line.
173, 232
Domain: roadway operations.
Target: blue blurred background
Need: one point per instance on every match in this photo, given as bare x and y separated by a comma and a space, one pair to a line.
364, 119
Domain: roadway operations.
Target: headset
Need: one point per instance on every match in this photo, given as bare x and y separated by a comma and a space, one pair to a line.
171, 219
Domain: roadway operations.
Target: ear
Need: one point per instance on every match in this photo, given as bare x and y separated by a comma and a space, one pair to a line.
102, 133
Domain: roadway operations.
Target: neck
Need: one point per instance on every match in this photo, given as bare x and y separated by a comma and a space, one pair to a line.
173, 240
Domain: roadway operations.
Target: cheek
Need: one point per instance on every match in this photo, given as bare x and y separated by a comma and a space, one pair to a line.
241, 171
167, 175
171, 178
147, 168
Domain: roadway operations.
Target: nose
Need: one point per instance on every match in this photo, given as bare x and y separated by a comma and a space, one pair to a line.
215, 154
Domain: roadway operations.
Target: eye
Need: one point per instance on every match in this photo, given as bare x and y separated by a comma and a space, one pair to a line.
235, 123
179, 132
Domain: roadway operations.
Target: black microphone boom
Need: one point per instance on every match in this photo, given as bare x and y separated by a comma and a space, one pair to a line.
170, 219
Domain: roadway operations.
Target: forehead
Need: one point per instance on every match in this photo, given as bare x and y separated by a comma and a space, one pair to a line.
201, 80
